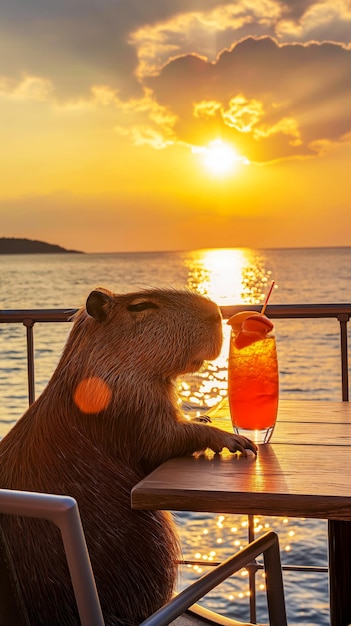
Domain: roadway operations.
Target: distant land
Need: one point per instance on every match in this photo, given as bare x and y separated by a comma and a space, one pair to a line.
12, 245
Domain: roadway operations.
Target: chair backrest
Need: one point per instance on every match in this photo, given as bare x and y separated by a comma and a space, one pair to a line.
63, 512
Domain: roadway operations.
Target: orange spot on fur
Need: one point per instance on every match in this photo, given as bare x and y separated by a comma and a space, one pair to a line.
92, 395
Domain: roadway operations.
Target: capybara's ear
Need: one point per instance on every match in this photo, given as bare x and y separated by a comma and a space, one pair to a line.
97, 305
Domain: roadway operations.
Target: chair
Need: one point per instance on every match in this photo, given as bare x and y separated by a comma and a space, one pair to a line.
63, 512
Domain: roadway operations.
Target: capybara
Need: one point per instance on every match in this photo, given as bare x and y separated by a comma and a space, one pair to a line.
107, 417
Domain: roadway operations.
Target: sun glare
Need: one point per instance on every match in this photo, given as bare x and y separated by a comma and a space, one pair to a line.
228, 275
219, 157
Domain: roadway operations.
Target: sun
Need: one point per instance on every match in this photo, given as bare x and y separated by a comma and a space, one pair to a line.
220, 157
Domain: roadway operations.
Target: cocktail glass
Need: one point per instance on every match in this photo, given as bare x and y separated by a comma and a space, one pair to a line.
253, 379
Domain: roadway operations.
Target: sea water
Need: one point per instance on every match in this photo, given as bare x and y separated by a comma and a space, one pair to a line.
309, 368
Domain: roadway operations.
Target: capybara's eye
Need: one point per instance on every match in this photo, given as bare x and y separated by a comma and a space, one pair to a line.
141, 306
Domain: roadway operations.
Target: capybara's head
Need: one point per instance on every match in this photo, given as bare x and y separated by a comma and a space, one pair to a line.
154, 333
124, 353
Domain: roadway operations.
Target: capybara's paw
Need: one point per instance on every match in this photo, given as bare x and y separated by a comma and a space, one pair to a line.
241, 444
235, 443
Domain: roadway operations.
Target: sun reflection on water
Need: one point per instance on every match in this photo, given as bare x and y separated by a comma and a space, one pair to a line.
228, 275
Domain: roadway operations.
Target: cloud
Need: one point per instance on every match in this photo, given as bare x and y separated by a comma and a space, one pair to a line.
88, 42
271, 100
187, 72
321, 21
79, 44
204, 32
29, 88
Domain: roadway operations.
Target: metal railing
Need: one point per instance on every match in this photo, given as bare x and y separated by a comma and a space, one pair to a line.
340, 312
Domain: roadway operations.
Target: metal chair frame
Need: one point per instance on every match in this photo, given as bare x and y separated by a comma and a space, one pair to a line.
268, 545
63, 512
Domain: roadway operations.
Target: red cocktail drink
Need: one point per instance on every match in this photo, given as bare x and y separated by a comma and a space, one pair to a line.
253, 380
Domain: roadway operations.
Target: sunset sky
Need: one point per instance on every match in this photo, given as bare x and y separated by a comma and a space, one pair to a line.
175, 124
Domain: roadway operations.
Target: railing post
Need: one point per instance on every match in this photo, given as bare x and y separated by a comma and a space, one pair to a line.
343, 319
28, 323
339, 544
252, 572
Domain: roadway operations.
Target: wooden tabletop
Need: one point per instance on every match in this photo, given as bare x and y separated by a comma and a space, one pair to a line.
303, 472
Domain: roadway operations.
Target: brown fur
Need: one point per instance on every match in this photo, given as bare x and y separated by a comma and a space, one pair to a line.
137, 344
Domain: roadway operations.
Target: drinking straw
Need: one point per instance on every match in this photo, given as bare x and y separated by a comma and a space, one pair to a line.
267, 298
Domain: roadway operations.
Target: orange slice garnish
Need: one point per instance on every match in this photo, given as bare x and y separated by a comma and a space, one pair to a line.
257, 323
235, 321
249, 327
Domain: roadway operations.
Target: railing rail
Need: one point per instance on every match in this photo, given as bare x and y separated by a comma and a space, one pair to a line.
340, 312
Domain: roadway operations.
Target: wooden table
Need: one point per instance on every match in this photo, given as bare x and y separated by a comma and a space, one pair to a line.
305, 471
